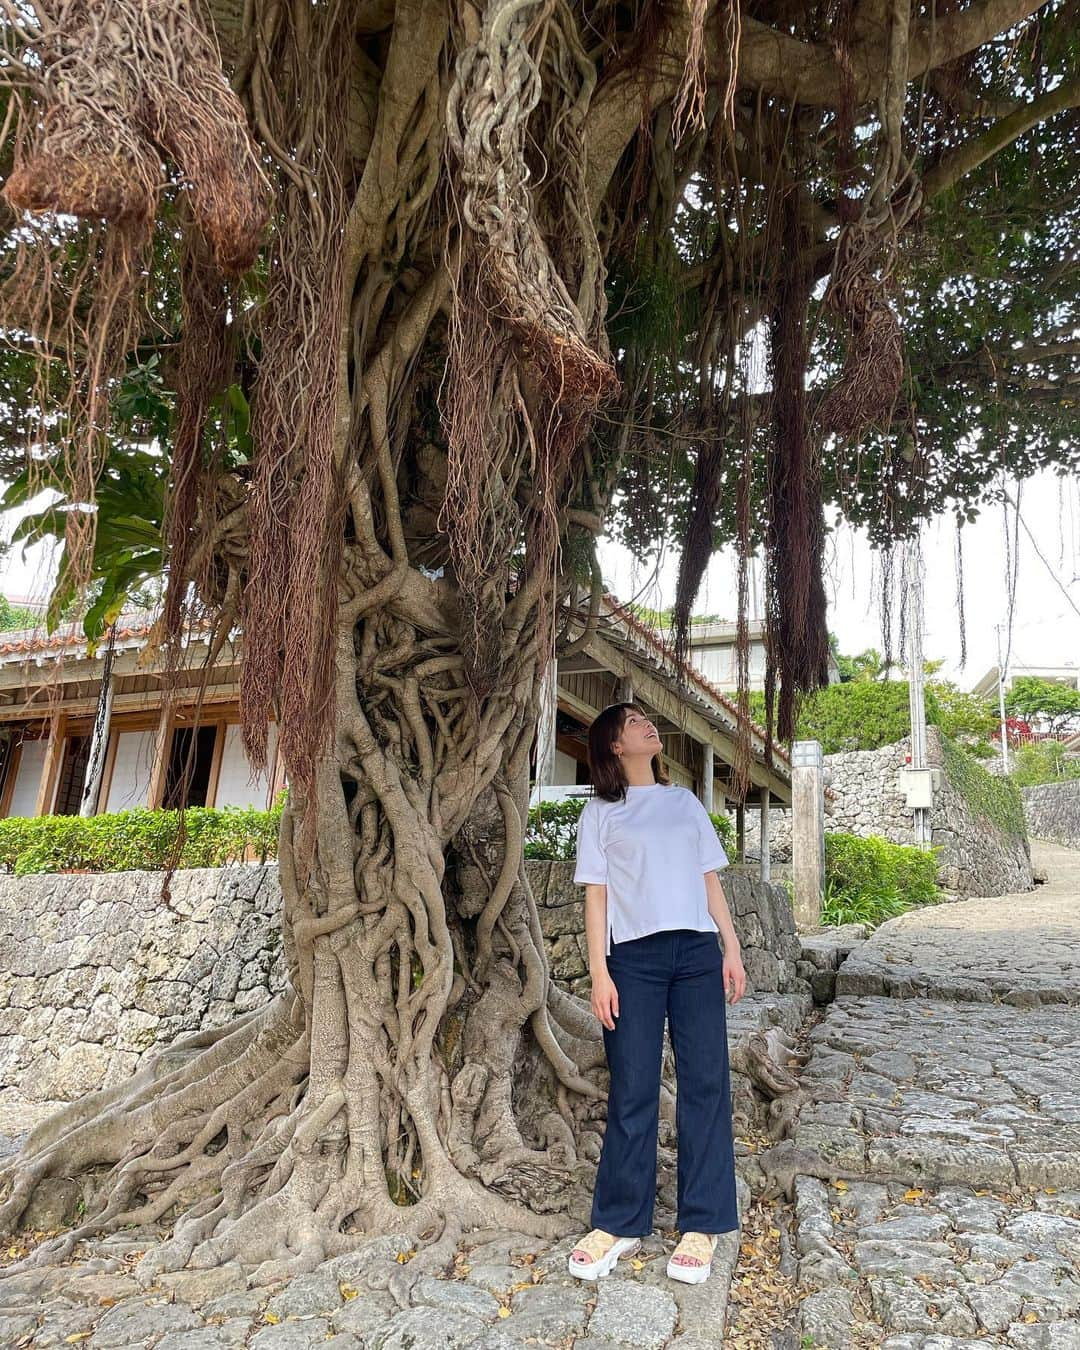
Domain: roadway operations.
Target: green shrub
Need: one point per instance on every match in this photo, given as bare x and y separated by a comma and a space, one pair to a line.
726, 830
138, 839
867, 714
995, 798
869, 880
1043, 762
859, 715
551, 832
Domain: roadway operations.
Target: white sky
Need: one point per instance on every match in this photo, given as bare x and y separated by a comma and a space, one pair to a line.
1046, 621
1046, 625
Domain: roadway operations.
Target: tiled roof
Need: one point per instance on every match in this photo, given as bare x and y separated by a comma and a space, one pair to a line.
651, 639
132, 628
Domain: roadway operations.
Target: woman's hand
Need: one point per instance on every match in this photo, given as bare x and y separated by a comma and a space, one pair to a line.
605, 999
734, 976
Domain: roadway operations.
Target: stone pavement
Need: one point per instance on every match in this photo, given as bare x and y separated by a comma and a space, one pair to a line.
504, 1294
501, 1295
1019, 948
938, 1205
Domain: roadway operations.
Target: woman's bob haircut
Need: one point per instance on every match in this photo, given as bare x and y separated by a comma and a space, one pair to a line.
605, 769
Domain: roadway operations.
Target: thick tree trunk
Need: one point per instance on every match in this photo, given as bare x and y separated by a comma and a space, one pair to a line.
421, 1074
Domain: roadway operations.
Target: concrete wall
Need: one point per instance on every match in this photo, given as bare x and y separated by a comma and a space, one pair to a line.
95, 972
977, 858
1052, 811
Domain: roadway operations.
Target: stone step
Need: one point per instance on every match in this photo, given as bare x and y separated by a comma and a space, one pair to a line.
933, 1091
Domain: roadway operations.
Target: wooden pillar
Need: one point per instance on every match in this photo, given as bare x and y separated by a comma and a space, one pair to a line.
50, 770
99, 742
624, 690
766, 843
808, 831
162, 741
740, 829
545, 726
708, 773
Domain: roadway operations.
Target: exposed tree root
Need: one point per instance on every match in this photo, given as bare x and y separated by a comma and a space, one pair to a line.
227, 1130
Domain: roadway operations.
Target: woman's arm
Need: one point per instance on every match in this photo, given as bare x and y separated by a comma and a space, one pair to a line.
718, 908
596, 928
734, 973
605, 997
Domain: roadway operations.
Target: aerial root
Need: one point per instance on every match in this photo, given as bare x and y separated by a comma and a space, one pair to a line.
156, 1123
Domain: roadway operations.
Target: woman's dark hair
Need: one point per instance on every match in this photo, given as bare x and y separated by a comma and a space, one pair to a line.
605, 770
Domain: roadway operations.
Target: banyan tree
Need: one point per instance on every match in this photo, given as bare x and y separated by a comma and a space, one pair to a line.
415, 298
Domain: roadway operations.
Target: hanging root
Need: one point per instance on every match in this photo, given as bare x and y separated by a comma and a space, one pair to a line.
865, 393
797, 642
516, 408
120, 82
104, 92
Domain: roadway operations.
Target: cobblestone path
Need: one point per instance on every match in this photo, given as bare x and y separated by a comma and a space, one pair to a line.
939, 1202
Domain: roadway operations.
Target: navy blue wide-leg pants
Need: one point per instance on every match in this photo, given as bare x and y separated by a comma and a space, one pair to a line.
677, 973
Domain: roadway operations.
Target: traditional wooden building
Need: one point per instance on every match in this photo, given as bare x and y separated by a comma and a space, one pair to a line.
77, 753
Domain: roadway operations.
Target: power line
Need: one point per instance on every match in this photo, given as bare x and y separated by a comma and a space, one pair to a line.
1039, 555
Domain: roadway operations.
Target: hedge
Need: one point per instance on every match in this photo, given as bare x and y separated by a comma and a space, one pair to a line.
138, 839
552, 830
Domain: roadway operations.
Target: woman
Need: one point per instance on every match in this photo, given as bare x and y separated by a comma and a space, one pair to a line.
647, 854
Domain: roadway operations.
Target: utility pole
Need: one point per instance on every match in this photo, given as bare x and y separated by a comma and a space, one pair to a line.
1002, 676
916, 693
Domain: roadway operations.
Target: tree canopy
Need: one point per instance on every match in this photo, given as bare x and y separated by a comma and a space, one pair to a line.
1051, 704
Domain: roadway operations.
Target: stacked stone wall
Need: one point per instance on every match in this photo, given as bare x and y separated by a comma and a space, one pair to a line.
96, 971
1052, 811
978, 856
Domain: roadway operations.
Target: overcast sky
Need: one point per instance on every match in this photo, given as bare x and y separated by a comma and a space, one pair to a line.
1046, 623
1046, 620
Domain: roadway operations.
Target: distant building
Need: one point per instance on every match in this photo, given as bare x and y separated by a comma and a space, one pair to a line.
45, 751
1068, 674
713, 652
698, 723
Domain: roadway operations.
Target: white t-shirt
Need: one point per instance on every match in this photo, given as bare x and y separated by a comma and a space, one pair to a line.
652, 852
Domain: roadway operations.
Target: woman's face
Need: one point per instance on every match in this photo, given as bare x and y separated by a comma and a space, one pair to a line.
638, 736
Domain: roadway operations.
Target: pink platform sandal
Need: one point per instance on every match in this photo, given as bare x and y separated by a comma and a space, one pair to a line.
699, 1246
603, 1250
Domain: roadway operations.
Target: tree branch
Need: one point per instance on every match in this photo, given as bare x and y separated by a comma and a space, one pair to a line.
954, 35
949, 170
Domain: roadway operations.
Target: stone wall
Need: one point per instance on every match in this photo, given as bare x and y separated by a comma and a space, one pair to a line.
96, 971
1052, 811
978, 857
761, 911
